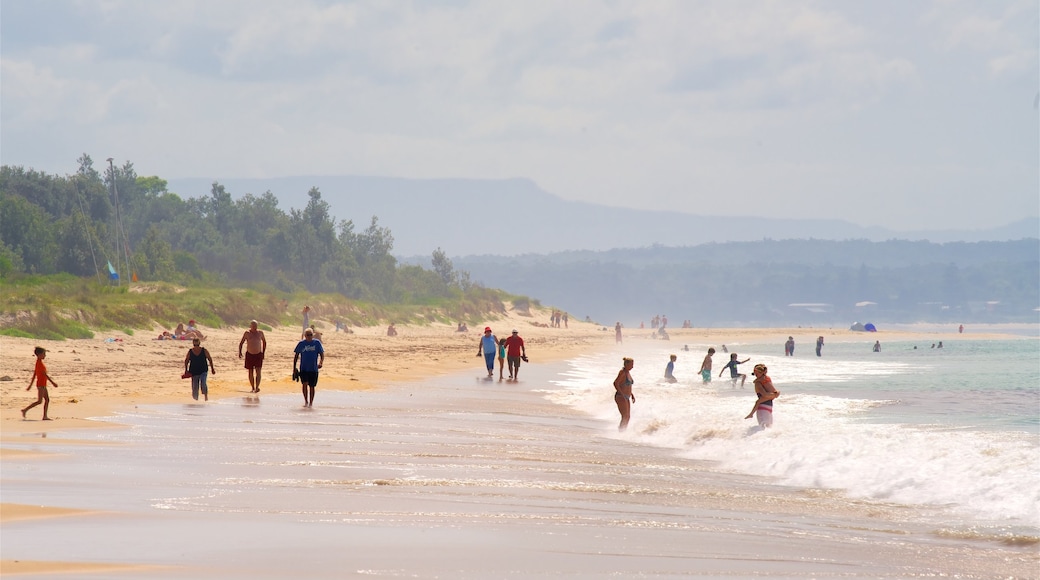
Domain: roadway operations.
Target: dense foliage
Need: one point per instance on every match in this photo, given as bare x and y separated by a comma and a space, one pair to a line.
79, 224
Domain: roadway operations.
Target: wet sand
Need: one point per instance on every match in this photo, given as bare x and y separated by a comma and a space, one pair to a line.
410, 465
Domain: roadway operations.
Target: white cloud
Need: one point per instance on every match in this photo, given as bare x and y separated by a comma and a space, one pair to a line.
772, 104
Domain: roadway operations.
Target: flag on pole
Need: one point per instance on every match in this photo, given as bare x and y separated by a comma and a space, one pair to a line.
112, 274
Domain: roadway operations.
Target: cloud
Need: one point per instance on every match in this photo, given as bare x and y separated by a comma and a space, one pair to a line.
778, 105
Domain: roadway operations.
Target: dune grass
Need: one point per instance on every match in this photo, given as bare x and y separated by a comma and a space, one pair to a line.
63, 306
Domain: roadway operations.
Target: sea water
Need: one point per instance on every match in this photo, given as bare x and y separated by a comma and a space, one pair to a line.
956, 427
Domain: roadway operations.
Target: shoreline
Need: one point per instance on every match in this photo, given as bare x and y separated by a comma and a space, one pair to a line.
368, 361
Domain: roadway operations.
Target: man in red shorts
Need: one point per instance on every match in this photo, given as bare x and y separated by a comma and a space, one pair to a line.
514, 352
256, 346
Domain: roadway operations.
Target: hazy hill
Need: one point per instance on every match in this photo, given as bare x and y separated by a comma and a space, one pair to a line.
513, 216
811, 282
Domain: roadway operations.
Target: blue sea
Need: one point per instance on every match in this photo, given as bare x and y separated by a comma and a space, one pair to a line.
955, 428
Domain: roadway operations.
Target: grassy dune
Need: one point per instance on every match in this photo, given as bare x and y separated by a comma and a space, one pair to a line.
63, 306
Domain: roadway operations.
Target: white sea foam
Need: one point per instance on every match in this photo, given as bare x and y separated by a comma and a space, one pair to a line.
822, 439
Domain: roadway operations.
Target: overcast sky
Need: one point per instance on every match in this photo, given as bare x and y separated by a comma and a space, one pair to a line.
900, 114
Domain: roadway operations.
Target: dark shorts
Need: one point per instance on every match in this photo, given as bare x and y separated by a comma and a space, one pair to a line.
309, 378
513, 361
254, 361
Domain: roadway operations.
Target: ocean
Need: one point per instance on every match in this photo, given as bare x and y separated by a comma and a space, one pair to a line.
956, 427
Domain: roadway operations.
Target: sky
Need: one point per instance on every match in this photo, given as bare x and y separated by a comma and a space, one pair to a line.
905, 115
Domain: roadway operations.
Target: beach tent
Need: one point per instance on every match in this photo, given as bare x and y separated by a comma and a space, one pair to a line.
857, 327
869, 327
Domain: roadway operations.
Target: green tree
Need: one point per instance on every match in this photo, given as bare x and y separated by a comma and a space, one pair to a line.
156, 257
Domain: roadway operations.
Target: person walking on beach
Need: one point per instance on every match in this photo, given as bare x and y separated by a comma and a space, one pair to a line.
819, 346
515, 351
766, 393
487, 346
501, 358
706, 366
734, 374
617, 333
198, 364
42, 378
789, 346
306, 320
670, 369
310, 355
623, 392
256, 347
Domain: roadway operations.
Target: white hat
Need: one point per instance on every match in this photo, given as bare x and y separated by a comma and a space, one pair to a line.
515, 331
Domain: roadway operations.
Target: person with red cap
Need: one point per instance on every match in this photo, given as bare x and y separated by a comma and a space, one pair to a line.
488, 346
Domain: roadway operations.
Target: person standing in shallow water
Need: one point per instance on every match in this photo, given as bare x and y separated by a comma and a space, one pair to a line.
198, 364
623, 392
310, 355
706, 366
819, 346
488, 346
766, 393
256, 346
669, 370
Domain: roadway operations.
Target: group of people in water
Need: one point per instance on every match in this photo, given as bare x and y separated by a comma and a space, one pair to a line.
764, 391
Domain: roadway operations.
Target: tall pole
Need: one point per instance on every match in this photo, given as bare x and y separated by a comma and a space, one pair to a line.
119, 219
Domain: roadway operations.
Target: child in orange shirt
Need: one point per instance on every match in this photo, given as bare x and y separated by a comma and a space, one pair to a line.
41, 376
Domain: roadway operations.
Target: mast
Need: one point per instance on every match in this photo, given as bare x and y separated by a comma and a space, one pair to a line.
121, 236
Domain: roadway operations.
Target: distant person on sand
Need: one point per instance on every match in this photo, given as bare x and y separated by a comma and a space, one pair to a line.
960, 329
819, 346
391, 330
706, 366
42, 378
669, 370
193, 332
617, 333
256, 347
766, 393
877, 346
515, 352
487, 346
306, 320
198, 364
623, 392
502, 359
734, 374
789, 346
310, 355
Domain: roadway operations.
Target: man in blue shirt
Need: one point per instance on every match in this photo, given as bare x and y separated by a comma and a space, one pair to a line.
310, 355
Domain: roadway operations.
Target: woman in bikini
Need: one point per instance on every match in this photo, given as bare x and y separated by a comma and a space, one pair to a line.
623, 392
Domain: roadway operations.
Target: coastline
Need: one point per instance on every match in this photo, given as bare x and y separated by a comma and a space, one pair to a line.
103, 377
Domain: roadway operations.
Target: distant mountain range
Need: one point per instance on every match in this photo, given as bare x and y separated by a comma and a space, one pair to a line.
468, 217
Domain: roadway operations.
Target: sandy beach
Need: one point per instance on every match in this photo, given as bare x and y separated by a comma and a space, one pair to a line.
496, 482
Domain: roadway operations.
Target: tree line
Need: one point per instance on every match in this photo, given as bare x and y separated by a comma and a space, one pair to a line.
783, 281
73, 224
